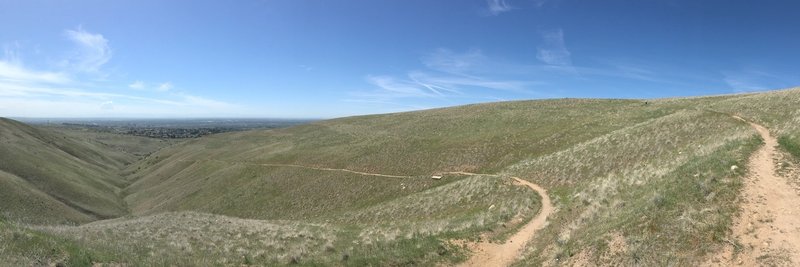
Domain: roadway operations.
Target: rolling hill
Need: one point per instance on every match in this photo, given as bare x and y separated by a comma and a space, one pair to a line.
50, 177
633, 182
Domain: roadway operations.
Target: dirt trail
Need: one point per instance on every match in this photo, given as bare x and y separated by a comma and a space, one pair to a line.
332, 169
768, 228
485, 254
492, 254
309, 167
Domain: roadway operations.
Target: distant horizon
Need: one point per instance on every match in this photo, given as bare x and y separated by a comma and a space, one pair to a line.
133, 118
333, 59
57, 119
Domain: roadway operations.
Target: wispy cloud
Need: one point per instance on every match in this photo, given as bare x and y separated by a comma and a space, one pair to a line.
395, 88
138, 85
753, 79
449, 75
108, 105
498, 6
11, 53
553, 50
159, 87
171, 104
541, 3
164, 86
92, 50
448, 61
66, 92
11, 72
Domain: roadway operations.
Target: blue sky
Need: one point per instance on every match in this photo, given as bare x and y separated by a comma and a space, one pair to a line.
323, 59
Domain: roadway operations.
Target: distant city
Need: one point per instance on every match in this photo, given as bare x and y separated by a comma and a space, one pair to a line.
168, 128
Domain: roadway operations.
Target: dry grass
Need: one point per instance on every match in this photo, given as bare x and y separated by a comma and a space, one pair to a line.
633, 184
665, 185
66, 179
189, 238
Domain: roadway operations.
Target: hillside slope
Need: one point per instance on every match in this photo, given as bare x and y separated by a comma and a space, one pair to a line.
49, 177
608, 163
632, 182
478, 138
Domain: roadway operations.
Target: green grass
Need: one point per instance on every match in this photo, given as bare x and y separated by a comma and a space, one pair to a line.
20, 246
189, 238
412, 228
64, 178
654, 186
790, 144
633, 184
216, 173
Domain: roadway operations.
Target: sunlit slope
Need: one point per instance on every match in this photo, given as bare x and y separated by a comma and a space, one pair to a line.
411, 229
618, 169
662, 192
777, 110
208, 174
633, 183
49, 177
665, 185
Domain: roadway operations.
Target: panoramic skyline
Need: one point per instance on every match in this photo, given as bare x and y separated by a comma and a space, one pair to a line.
320, 59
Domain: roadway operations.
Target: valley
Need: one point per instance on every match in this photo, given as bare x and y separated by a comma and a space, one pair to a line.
524, 183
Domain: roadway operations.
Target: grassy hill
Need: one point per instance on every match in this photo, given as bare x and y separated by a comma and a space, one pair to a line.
479, 138
50, 177
634, 182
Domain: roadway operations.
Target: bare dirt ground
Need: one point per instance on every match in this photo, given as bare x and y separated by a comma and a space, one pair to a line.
503, 254
767, 232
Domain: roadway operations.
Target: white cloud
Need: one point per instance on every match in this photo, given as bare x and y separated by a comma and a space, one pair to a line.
750, 79
450, 75
449, 61
64, 101
498, 6
392, 87
164, 87
190, 100
16, 73
540, 3
554, 51
92, 51
11, 53
107, 105
138, 85
453, 84
28, 92
118, 108
161, 87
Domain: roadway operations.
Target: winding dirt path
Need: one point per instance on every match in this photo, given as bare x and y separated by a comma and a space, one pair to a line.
332, 169
308, 167
768, 228
504, 254
486, 254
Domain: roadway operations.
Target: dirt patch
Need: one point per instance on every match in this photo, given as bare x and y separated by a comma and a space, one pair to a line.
767, 231
503, 254
584, 259
617, 244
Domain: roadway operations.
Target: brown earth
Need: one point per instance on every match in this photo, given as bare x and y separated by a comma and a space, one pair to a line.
767, 231
503, 254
